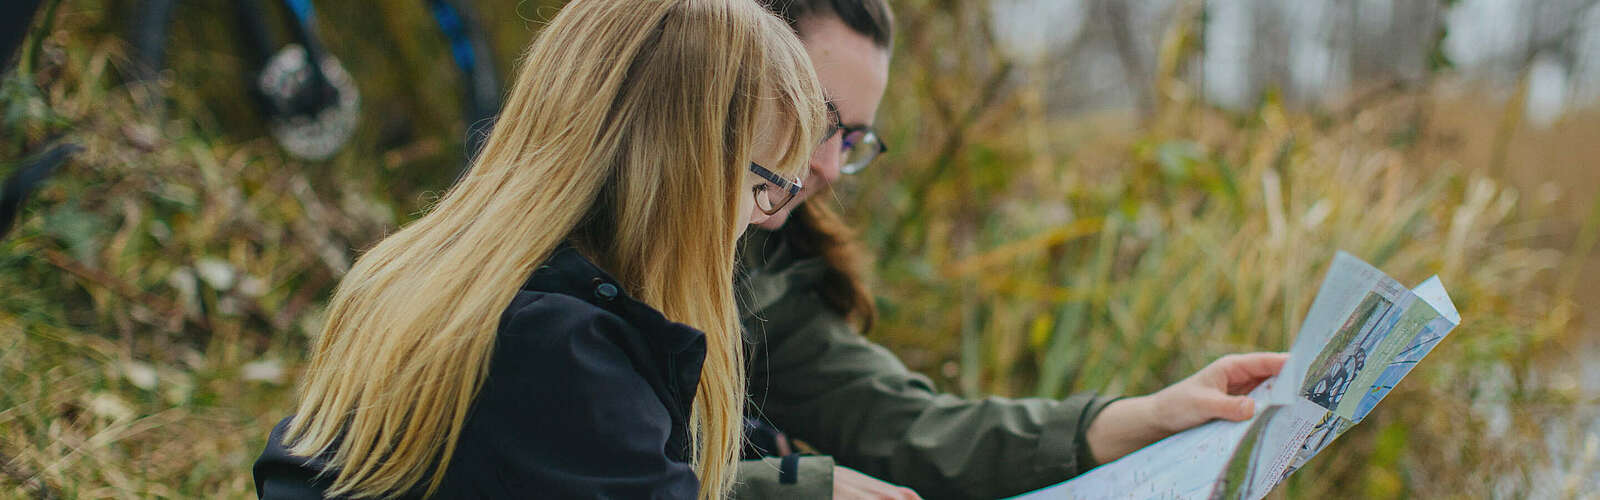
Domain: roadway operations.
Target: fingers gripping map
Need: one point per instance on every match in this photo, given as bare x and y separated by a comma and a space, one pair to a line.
1364, 333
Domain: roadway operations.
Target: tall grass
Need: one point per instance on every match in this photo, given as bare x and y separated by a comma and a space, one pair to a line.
155, 297
1120, 254
1206, 242
154, 300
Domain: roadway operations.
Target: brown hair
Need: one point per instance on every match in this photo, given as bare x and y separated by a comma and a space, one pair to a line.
815, 229
870, 18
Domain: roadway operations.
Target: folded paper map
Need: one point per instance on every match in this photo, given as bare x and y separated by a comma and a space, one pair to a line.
1364, 333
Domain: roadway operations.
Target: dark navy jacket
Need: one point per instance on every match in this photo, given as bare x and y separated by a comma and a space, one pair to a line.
587, 396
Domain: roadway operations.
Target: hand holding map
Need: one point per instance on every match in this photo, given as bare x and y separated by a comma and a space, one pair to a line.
1364, 333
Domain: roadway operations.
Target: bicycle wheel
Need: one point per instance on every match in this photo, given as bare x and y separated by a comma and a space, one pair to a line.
312, 108
317, 131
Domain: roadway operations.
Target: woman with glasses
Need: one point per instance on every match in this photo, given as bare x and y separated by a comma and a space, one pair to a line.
562, 323
817, 378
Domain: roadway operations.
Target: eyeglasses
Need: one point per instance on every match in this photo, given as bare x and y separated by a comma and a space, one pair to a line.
835, 123
777, 192
772, 195
860, 145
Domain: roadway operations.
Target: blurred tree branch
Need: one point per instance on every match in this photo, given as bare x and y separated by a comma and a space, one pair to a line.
993, 88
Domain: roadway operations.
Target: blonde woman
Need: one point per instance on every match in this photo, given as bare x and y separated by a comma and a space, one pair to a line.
562, 323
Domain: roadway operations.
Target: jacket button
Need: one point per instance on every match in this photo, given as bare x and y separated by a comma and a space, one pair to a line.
606, 291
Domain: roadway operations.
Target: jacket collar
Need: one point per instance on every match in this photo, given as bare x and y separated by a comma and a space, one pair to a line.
770, 268
568, 272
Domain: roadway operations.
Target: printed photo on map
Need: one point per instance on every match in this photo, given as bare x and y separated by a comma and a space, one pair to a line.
1326, 430
1402, 363
1346, 353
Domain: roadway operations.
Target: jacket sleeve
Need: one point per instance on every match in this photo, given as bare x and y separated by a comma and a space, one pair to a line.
581, 421
804, 477
821, 382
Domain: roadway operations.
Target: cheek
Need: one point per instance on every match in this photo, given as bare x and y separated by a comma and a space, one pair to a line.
775, 221
747, 212
746, 204
744, 220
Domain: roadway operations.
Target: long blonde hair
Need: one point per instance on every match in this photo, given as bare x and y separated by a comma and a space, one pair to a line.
629, 131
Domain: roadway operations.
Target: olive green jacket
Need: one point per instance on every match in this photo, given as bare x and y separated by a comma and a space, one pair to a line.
818, 380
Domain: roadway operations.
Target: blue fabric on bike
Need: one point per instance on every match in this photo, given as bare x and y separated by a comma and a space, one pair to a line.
588, 395
301, 8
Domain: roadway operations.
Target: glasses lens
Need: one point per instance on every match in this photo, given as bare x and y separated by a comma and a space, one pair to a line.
773, 192
770, 199
764, 192
860, 149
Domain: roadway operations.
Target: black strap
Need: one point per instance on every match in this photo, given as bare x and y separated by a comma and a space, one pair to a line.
789, 469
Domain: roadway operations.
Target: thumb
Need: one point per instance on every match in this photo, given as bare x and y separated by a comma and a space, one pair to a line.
1235, 408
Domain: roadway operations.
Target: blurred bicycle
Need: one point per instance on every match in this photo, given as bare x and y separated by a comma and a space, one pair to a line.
311, 109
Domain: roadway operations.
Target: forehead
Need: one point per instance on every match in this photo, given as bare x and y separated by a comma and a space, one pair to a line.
853, 69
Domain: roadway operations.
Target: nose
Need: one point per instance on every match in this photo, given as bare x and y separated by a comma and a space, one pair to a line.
826, 162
